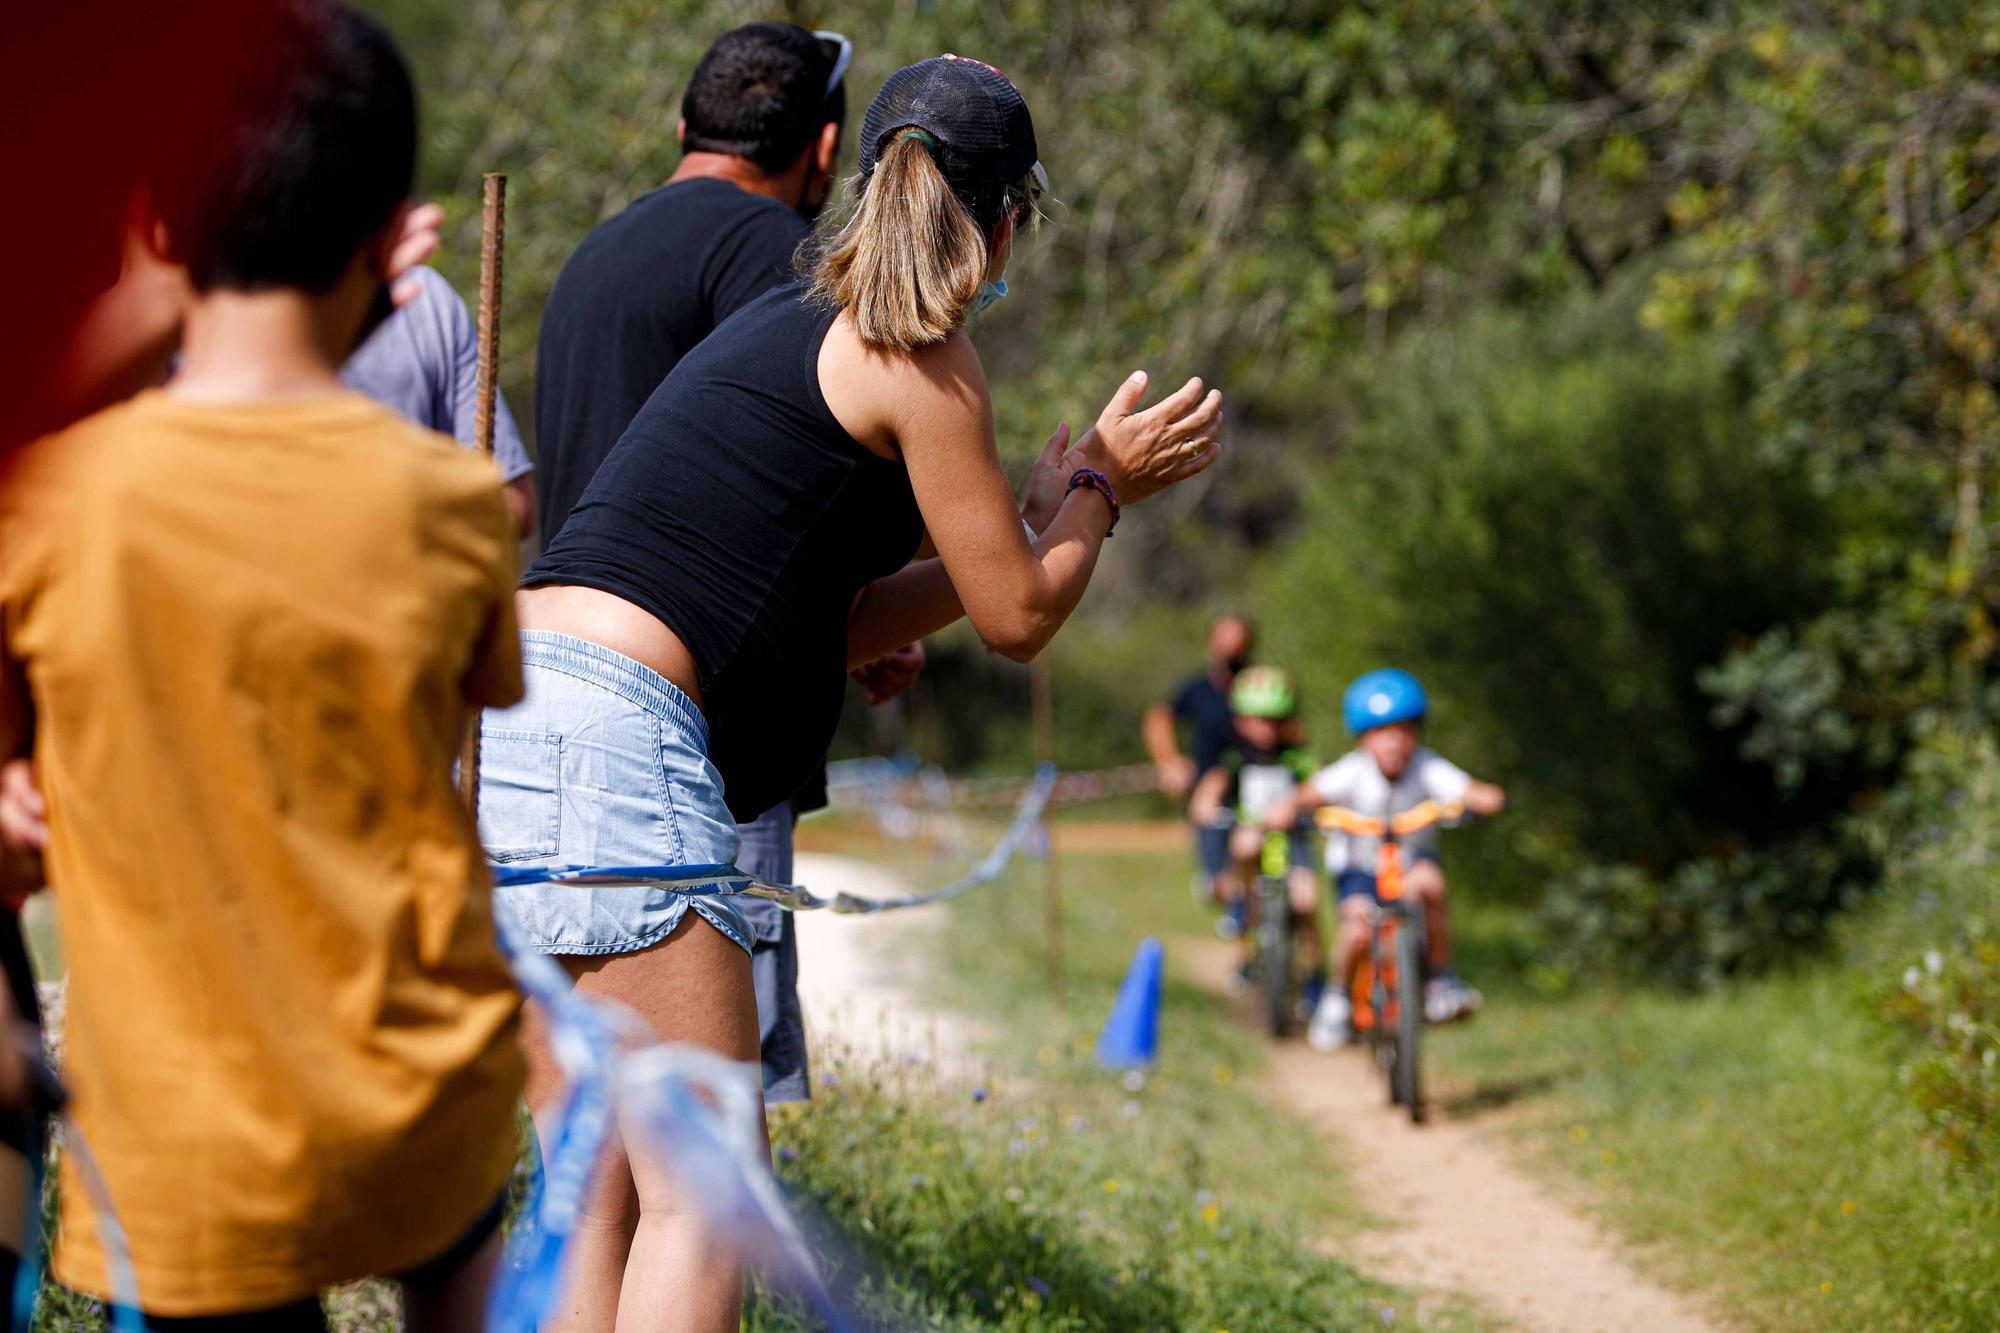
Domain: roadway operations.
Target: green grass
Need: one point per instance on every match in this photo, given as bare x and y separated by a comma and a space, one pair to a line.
1050, 1194
1755, 1134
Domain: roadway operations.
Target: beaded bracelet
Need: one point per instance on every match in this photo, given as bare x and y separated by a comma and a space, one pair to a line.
1094, 480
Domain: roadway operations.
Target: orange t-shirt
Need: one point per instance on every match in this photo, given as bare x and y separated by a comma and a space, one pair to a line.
250, 635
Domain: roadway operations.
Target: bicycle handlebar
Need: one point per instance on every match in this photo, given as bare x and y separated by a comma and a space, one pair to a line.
1339, 818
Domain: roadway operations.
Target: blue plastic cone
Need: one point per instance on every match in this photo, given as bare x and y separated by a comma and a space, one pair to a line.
1131, 1036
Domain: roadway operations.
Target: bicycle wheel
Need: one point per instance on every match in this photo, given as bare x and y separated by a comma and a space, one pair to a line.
1274, 936
1410, 1013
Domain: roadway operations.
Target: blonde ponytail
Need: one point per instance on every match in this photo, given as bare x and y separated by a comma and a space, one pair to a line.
908, 263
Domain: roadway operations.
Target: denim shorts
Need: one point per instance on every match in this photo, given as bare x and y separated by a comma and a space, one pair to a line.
604, 763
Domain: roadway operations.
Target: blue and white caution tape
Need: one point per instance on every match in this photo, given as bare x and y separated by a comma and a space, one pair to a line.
583, 1034
723, 880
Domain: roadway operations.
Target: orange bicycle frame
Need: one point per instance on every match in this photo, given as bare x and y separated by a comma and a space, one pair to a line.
1388, 889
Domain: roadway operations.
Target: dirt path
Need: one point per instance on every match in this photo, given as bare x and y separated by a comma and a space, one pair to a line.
857, 974
1462, 1218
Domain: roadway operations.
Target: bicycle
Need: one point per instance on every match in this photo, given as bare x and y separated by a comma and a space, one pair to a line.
1388, 989
1275, 964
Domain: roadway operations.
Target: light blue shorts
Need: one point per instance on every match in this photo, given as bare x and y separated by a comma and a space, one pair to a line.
604, 763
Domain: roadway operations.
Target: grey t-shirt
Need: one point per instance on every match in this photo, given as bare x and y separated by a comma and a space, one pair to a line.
423, 362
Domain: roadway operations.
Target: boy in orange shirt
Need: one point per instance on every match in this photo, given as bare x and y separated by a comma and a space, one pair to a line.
244, 620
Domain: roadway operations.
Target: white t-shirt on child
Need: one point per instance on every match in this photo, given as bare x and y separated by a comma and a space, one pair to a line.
1356, 782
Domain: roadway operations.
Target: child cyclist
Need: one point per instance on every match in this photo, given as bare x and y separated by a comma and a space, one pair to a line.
1388, 772
1257, 773
244, 619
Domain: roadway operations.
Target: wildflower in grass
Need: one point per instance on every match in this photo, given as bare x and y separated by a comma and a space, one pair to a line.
1110, 1186
1078, 1124
1039, 1287
1013, 1194
1223, 1075
916, 1182
1848, 1208
1579, 1133
1825, 1288
1211, 1214
1204, 1197
1608, 1157
788, 1153
1388, 1314
979, 1094
1131, 1110
1812, 1226
1134, 1080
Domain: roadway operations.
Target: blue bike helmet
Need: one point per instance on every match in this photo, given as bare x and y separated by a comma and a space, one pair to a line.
1379, 698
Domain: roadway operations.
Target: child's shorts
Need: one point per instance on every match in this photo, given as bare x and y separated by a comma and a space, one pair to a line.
1361, 883
604, 763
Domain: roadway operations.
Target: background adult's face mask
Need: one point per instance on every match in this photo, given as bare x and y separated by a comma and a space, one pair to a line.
983, 299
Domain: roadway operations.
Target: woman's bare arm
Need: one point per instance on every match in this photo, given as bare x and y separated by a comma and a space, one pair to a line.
932, 408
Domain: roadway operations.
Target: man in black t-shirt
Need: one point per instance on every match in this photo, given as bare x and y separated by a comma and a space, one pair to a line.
760, 132
1203, 702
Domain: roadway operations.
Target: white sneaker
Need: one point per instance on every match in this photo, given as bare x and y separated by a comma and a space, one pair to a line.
1332, 1023
1447, 998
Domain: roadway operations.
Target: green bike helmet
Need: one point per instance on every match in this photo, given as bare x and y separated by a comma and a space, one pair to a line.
1264, 691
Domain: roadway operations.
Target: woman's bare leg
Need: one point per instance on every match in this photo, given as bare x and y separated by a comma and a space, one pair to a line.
642, 1259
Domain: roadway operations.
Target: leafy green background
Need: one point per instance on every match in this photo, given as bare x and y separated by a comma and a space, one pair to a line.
1628, 371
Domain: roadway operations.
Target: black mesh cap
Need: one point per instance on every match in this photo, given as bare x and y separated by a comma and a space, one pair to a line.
984, 134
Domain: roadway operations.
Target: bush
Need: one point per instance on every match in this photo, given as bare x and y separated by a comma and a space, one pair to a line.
1558, 524
1931, 953
1949, 1004
1707, 920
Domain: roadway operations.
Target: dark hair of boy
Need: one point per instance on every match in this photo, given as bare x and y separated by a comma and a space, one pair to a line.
760, 93
315, 157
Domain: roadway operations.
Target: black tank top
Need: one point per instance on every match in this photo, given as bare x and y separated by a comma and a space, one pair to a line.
737, 510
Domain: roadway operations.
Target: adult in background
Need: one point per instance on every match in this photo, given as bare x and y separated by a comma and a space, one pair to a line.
423, 361
760, 132
760, 530
1202, 701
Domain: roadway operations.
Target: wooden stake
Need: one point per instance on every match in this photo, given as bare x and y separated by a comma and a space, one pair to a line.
1043, 688
492, 241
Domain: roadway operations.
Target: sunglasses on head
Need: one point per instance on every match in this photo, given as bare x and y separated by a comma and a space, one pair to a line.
842, 52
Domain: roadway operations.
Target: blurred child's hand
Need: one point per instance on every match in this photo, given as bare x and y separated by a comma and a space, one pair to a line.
24, 828
889, 675
419, 241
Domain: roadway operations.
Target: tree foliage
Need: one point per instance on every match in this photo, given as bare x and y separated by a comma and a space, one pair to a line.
1629, 368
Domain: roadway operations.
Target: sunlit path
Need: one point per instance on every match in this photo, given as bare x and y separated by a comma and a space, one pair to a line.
1461, 1218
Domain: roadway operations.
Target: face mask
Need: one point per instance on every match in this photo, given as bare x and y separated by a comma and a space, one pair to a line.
983, 299
1237, 663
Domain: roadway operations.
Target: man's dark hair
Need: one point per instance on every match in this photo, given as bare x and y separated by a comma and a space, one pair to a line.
317, 150
760, 93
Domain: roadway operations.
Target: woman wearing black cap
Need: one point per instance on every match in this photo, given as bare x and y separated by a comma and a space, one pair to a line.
754, 534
